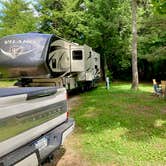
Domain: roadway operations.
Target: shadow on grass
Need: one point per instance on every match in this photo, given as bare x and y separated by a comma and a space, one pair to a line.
141, 113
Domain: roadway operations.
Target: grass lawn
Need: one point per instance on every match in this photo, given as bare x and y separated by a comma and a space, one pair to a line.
6, 83
121, 127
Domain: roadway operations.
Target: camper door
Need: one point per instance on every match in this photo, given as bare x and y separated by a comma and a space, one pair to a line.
77, 60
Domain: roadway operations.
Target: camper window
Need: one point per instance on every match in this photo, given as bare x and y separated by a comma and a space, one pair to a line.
54, 63
77, 55
52, 48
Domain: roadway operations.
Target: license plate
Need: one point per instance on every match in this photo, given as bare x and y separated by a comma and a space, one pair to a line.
41, 143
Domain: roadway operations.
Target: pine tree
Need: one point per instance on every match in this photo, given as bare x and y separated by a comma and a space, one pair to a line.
16, 17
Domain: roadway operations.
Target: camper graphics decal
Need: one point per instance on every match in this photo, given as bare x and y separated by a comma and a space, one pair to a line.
15, 52
19, 42
15, 48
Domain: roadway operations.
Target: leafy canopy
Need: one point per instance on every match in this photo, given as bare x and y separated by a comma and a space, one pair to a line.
16, 17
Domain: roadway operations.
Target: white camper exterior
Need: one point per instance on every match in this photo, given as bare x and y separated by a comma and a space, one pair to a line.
47, 60
78, 63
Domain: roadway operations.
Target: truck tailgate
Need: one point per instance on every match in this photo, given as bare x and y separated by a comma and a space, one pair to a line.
27, 113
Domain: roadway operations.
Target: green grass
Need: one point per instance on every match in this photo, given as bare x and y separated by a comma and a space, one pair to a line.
122, 127
4, 83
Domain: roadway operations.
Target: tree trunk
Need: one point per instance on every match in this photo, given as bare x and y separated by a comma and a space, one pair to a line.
134, 46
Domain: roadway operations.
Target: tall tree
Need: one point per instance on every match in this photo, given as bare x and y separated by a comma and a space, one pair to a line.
49, 11
134, 46
152, 39
160, 6
103, 25
60, 17
16, 17
109, 31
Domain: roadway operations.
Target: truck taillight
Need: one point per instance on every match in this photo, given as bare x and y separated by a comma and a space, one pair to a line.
67, 114
66, 96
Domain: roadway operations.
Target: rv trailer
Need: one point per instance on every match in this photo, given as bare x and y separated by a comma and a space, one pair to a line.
47, 60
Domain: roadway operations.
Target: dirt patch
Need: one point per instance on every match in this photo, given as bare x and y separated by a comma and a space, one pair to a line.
69, 154
74, 102
72, 155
